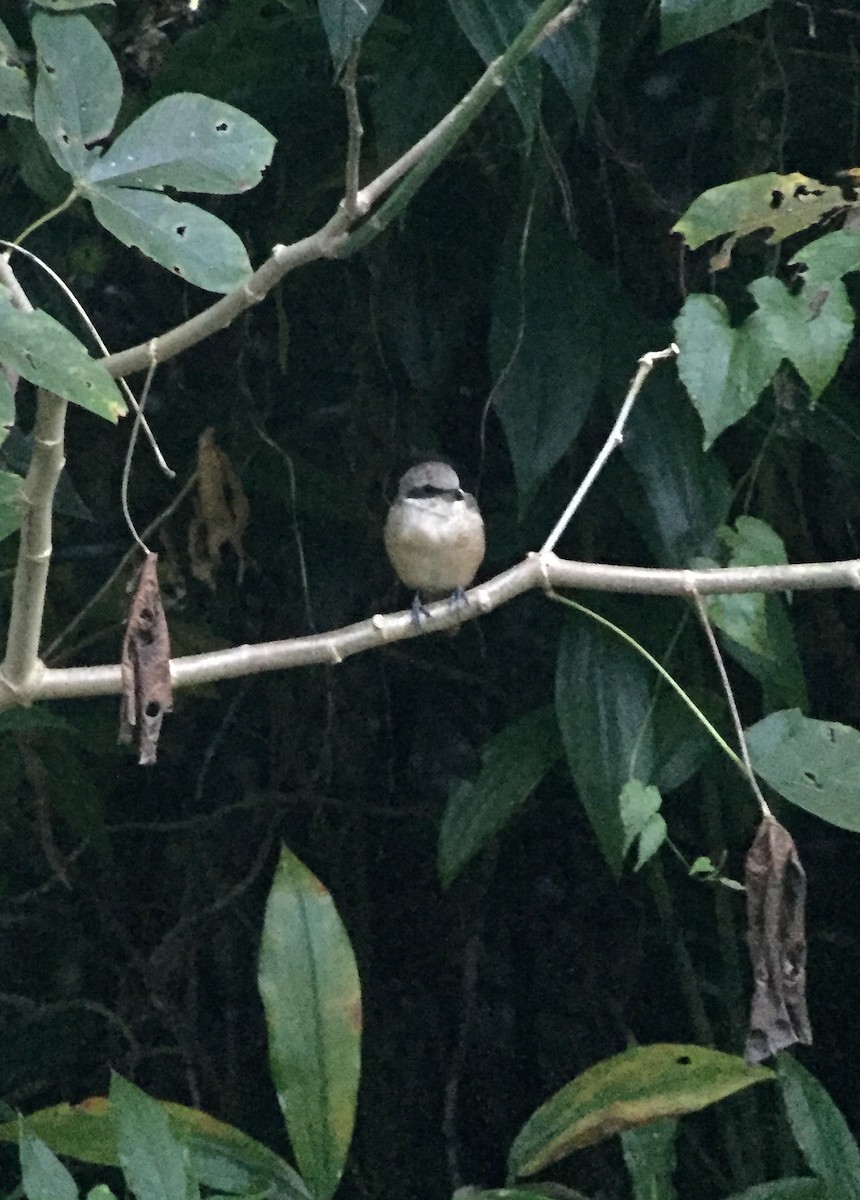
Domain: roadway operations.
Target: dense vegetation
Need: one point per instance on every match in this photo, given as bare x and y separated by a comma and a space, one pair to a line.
458, 797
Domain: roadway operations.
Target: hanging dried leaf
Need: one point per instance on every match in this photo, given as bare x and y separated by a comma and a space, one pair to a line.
221, 512
146, 688
776, 898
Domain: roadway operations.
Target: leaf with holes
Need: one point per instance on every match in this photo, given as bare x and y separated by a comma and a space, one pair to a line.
40, 349
312, 997
191, 143
641, 1085
814, 764
182, 237
16, 98
78, 88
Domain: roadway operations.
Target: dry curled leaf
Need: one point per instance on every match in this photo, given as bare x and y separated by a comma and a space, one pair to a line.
776, 899
221, 512
146, 687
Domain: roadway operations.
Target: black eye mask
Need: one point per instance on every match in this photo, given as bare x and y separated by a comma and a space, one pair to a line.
427, 491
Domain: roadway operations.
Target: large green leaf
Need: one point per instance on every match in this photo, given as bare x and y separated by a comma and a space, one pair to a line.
43, 1176
828, 258
221, 1156
310, 989
546, 342
191, 143
649, 1155
491, 26
799, 1188
685, 20
820, 1131
814, 764
149, 1153
43, 351
512, 765
344, 21
78, 88
572, 55
724, 369
684, 493
641, 1085
186, 239
811, 329
603, 701
16, 98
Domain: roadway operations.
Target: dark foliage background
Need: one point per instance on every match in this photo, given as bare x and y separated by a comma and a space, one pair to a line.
132, 899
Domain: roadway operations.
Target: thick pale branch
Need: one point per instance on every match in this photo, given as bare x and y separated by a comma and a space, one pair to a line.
536, 571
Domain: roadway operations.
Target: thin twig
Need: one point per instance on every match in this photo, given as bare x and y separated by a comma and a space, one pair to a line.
132, 442
355, 131
693, 593
616, 436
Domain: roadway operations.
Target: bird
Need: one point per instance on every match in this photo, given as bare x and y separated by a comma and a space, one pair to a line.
434, 535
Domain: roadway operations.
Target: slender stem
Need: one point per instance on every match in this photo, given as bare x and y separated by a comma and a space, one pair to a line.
616, 436
48, 216
355, 131
34, 550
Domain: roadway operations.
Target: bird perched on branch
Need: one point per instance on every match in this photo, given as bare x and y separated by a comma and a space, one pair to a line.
434, 535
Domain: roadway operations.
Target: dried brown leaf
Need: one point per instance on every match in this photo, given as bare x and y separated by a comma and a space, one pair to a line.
221, 512
146, 687
776, 900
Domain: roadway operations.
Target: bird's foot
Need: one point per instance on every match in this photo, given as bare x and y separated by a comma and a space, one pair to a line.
458, 599
419, 612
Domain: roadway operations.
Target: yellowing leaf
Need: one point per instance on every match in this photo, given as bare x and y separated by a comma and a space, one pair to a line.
634, 1088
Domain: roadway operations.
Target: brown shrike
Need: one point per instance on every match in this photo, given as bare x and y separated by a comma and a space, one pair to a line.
434, 535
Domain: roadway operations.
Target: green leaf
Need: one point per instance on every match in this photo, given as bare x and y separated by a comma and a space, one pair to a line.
725, 370
828, 258
649, 1155
100, 1192
491, 26
641, 1085
151, 1158
572, 55
182, 237
190, 143
343, 21
545, 347
801, 1188
311, 993
785, 204
603, 702
43, 1176
820, 1130
684, 493
220, 1155
512, 765
43, 351
814, 764
685, 20
15, 92
78, 88
813, 334
10, 508
69, 5
639, 809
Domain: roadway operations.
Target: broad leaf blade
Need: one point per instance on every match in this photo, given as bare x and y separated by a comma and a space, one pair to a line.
43, 1176
190, 143
220, 1155
603, 702
16, 99
725, 370
545, 347
151, 1158
820, 1130
812, 329
43, 351
182, 237
634, 1088
572, 55
649, 1155
78, 88
309, 984
685, 20
513, 764
491, 26
344, 21
814, 764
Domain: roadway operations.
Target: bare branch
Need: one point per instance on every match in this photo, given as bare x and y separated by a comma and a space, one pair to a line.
535, 571
355, 131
